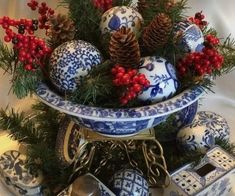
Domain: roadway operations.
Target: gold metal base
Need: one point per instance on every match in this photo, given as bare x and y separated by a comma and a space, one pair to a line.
145, 144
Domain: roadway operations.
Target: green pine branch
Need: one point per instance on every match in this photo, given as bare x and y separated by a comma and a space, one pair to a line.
25, 82
20, 126
86, 18
7, 58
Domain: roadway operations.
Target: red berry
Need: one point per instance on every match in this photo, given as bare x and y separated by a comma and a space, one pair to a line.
28, 67
7, 38
137, 88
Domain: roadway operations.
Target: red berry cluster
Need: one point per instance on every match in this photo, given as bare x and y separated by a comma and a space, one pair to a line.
133, 82
30, 48
198, 20
103, 4
212, 40
44, 11
200, 63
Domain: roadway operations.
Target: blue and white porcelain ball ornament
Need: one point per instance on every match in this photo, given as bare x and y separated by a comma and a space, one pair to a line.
162, 77
215, 123
121, 16
195, 137
70, 62
192, 37
129, 182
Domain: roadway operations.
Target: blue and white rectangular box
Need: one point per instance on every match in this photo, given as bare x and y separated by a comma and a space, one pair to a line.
213, 176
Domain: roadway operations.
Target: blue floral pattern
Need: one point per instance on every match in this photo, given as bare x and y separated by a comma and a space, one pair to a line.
162, 77
121, 16
71, 61
217, 125
16, 176
193, 39
158, 111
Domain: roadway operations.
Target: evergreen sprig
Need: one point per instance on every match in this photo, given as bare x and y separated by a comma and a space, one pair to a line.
24, 82
227, 49
20, 126
86, 18
7, 58
96, 89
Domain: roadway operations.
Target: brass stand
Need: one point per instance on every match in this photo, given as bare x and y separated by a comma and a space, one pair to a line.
145, 142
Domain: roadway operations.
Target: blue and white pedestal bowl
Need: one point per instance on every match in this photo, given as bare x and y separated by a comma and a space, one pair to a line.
119, 122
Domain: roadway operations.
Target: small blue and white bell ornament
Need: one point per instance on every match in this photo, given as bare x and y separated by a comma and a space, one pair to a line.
129, 182
195, 137
162, 77
192, 37
70, 62
215, 123
121, 16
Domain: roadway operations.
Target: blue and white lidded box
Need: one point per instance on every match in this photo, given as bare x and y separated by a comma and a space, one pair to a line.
16, 177
213, 176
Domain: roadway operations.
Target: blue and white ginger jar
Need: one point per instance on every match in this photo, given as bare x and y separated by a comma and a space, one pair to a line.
70, 62
192, 39
195, 137
121, 16
129, 182
162, 77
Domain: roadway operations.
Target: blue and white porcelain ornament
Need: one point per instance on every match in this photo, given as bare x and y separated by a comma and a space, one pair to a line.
121, 16
192, 37
195, 137
162, 77
215, 123
129, 182
70, 62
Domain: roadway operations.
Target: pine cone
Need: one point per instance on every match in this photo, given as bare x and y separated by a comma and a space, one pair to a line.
157, 32
124, 48
61, 28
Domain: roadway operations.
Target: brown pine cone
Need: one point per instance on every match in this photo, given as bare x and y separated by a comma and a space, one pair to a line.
157, 32
61, 28
124, 48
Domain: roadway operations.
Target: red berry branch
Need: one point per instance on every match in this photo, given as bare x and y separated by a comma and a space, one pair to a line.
30, 49
133, 82
103, 5
44, 11
201, 63
198, 20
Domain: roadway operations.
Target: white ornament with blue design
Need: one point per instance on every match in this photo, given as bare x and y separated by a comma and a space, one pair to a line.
162, 77
195, 137
192, 37
70, 62
129, 182
215, 123
121, 16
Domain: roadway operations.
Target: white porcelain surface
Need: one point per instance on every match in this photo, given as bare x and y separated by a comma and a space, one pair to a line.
121, 16
162, 77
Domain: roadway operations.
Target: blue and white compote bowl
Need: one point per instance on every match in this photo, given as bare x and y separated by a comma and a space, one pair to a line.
119, 122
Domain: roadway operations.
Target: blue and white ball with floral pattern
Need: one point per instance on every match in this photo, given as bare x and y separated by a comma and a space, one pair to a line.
162, 77
121, 16
70, 62
192, 37
195, 137
129, 182
217, 125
